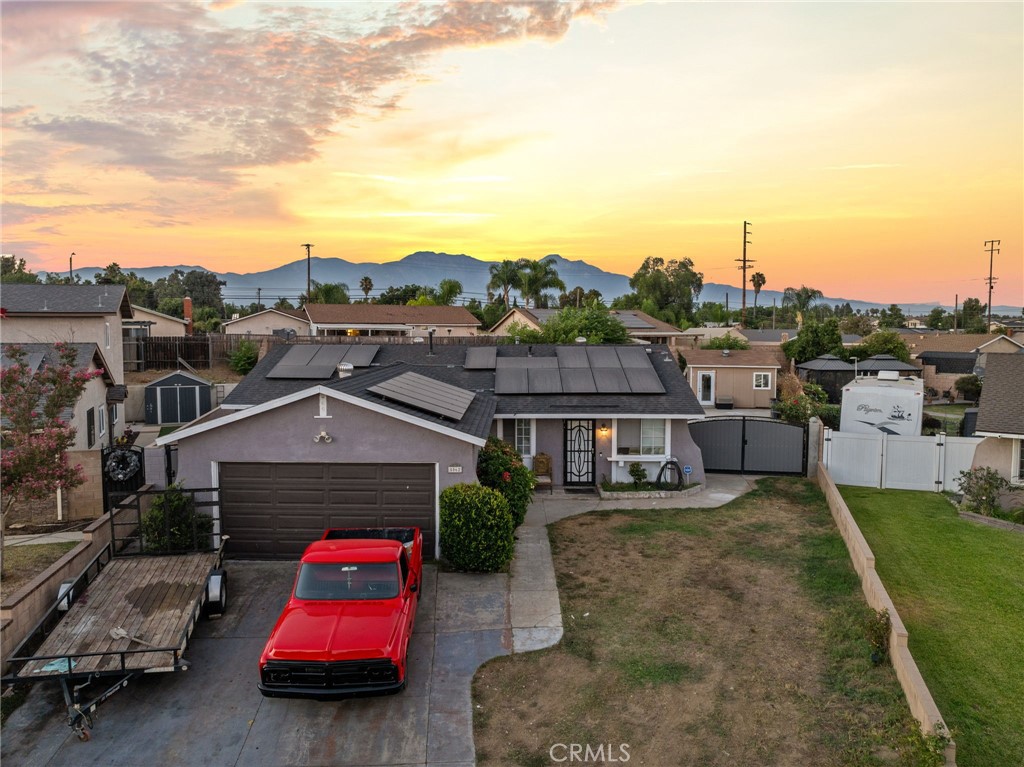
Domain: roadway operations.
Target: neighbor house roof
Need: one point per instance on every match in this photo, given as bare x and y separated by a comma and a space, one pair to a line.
53, 300
1001, 412
950, 362
298, 314
638, 324
737, 358
386, 314
949, 342
142, 310
771, 336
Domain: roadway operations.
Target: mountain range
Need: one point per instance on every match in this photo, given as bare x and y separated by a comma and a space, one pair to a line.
429, 268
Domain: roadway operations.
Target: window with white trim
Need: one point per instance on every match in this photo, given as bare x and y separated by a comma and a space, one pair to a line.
524, 436
762, 381
106, 335
1017, 475
643, 436
113, 414
102, 413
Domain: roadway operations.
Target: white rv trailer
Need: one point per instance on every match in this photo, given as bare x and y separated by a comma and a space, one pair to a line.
887, 404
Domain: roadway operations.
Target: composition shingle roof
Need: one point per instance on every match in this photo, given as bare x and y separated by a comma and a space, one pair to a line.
826, 363
950, 362
446, 365
65, 299
950, 342
1002, 404
737, 358
386, 314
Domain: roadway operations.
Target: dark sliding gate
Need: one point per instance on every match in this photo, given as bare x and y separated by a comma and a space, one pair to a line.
751, 445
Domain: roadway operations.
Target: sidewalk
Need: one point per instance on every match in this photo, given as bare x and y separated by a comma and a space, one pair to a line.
69, 536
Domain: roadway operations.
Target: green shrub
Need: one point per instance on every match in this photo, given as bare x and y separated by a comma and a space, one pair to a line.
638, 473
173, 523
877, 628
829, 415
243, 359
969, 387
981, 488
500, 467
476, 529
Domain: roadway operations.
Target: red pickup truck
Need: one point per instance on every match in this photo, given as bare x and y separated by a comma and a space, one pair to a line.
346, 628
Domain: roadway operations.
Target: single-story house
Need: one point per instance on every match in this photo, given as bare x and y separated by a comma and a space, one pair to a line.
390, 320
640, 326
269, 322
945, 358
151, 323
741, 378
366, 434
97, 417
694, 338
1001, 421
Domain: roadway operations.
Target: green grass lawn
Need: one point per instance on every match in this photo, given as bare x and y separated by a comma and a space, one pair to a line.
959, 588
949, 411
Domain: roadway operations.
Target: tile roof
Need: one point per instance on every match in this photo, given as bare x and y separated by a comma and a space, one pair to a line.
51, 300
386, 314
1002, 405
761, 358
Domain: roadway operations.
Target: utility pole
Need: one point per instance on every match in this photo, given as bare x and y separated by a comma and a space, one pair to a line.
71, 267
309, 270
773, 314
744, 263
992, 250
956, 308
258, 307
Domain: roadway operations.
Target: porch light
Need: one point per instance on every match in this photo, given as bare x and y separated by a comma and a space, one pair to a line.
603, 430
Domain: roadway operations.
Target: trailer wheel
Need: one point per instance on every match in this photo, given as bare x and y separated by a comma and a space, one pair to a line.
216, 593
83, 735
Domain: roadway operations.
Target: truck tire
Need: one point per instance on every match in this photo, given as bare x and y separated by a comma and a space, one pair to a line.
216, 594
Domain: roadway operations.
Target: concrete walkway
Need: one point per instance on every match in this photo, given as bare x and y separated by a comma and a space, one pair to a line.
67, 536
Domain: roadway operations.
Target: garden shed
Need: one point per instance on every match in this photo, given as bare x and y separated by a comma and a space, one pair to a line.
178, 397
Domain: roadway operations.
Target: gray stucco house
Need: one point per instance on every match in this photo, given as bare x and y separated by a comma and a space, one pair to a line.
364, 434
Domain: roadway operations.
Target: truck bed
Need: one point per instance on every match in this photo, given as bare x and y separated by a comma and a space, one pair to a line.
153, 598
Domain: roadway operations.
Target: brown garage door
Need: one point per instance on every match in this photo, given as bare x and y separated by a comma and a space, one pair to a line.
274, 510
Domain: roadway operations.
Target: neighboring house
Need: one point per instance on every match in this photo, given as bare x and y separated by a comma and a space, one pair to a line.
73, 313
771, 337
732, 378
640, 326
269, 322
367, 434
1012, 327
388, 320
694, 338
945, 358
1001, 420
97, 417
148, 323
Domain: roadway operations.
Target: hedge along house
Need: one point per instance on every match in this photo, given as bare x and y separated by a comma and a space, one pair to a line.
369, 435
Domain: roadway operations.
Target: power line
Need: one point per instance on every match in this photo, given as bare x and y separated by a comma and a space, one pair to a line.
744, 263
992, 250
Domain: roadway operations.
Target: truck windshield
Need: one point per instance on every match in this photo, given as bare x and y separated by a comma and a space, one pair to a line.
348, 581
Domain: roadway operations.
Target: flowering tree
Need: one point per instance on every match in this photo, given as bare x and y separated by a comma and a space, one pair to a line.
33, 449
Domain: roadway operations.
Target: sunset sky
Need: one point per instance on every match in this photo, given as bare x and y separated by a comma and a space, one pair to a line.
875, 147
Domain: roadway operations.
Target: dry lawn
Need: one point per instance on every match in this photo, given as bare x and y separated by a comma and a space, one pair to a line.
23, 563
702, 637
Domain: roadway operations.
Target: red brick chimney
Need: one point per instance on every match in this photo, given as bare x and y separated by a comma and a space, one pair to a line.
187, 307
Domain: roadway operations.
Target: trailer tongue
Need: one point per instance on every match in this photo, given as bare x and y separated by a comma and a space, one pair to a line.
130, 612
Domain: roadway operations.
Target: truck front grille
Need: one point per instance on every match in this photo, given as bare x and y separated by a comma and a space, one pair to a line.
338, 675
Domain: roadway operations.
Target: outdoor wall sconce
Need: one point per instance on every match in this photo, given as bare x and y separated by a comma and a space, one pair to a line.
603, 430
323, 436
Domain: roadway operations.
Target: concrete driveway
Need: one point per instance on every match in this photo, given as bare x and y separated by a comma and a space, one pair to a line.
214, 715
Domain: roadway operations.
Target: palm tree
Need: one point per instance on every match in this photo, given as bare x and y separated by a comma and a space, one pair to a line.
366, 285
538, 276
757, 280
504, 277
326, 293
801, 299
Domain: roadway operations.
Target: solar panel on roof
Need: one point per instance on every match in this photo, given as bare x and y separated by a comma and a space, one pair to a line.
633, 356
481, 358
544, 380
361, 355
643, 381
511, 381
329, 355
610, 381
603, 357
309, 372
632, 321
299, 355
311, 362
577, 381
427, 394
527, 362
572, 357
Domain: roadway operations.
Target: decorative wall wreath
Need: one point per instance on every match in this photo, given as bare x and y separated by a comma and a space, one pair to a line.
122, 465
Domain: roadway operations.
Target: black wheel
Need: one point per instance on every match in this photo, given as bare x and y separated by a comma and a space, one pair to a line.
216, 594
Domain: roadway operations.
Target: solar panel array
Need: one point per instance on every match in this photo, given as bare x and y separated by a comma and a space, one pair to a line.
632, 321
426, 394
579, 370
318, 362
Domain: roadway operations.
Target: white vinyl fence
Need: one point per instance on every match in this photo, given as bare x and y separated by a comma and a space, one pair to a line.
893, 461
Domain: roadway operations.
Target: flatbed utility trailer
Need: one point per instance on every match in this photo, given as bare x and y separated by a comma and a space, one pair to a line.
129, 613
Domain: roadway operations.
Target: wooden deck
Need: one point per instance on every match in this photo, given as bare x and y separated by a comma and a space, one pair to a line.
152, 598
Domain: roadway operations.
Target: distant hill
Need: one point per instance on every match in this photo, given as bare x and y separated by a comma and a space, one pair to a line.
429, 268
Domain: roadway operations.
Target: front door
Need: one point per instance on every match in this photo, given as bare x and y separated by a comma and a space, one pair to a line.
706, 387
579, 453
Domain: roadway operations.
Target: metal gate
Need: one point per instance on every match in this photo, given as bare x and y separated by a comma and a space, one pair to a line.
751, 445
579, 453
124, 472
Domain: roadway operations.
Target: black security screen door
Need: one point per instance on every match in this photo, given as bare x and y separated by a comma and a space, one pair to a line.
579, 453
